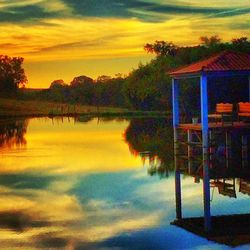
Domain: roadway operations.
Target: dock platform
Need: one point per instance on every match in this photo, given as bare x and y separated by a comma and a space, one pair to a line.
232, 230
215, 125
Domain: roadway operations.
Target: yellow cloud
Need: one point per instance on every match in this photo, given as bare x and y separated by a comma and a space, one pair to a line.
90, 44
105, 38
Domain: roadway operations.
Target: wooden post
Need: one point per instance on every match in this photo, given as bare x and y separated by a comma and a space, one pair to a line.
244, 150
175, 104
177, 189
190, 151
228, 147
189, 140
249, 88
206, 180
211, 145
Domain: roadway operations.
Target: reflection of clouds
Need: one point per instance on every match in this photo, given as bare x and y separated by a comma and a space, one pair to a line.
54, 217
161, 196
62, 186
102, 232
157, 192
49, 217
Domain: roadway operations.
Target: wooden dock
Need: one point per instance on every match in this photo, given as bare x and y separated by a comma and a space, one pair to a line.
215, 125
232, 230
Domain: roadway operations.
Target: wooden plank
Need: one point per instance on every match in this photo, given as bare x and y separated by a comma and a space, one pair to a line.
232, 230
218, 125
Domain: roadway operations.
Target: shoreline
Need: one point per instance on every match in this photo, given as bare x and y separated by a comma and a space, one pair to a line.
90, 114
16, 108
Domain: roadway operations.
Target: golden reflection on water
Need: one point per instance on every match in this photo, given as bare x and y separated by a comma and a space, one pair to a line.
65, 146
38, 207
66, 184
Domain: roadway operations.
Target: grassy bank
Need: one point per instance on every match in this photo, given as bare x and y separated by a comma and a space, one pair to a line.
21, 108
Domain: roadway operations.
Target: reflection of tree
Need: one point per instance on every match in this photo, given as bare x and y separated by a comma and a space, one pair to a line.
12, 133
152, 140
84, 119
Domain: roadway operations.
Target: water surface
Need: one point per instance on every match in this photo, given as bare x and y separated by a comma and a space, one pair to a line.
97, 184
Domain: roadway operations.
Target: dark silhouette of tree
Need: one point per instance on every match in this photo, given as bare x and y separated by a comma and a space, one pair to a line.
81, 80
161, 48
147, 87
103, 78
210, 41
241, 44
57, 83
12, 75
108, 91
82, 90
59, 91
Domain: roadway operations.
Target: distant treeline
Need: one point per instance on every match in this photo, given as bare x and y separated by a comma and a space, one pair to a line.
104, 91
149, 86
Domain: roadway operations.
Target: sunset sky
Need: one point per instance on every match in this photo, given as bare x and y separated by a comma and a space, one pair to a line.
60, 39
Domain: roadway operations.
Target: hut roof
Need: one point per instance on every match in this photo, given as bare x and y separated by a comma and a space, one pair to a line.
224, 61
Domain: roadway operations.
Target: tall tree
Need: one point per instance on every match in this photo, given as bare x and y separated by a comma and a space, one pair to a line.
12, 75
210, 41
59, 91
82, 90
161, 48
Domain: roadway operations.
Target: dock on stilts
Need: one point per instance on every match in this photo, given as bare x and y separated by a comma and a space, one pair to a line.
201, 137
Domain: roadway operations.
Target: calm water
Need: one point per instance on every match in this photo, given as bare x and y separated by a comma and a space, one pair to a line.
95, 184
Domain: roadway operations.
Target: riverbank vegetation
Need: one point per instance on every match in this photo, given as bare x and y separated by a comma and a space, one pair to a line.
146, 88
10, 107
16, 107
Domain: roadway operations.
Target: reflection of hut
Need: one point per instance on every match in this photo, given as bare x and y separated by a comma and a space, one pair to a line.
244, 186
225, 187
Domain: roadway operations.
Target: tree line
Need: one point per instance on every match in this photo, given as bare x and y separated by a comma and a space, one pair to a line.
148, 87
103, 91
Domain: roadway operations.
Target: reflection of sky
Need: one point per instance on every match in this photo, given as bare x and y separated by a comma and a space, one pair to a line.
50, 197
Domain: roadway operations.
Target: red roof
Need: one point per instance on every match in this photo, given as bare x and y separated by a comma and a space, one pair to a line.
225, 61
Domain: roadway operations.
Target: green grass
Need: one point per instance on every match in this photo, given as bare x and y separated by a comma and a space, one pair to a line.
15, 108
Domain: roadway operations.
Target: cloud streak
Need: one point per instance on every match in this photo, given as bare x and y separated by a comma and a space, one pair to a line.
24, 14
146, 11
74, 30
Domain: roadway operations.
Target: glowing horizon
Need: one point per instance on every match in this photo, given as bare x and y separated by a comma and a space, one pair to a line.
67, 38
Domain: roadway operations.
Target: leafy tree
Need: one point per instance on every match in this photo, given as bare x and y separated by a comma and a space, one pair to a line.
149, 86
12, 75
210, 41
59, 91
103, 78
57, 83
161, 48
81, 80
139, 89
108, 91
82, 90
241, 44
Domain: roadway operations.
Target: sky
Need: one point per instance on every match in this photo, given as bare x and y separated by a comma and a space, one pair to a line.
61, 39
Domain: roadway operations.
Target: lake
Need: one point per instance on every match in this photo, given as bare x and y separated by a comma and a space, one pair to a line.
92, 183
